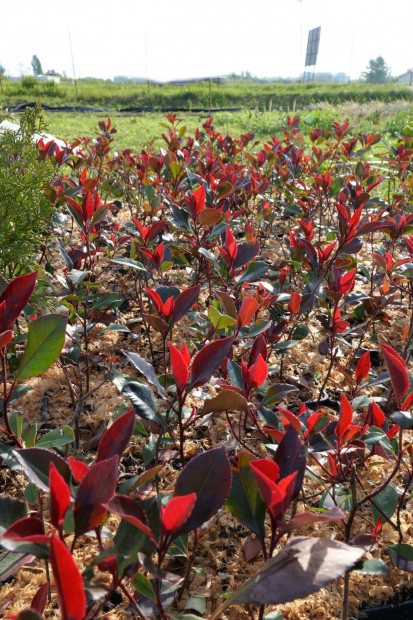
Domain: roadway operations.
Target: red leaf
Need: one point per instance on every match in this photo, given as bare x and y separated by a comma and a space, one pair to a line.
294, 303
68, 582
398, 371
116, 438
168, 307
16, 295
346, 415
59, 497
258, 372
180, 371
184, 302
78, 468
290, 417
177, 512
347, 282
156, 300
76, 210
208, 360
286, 486
27, 529
266, 472
266, 467
88, 206
376, 416
248, 308
6, 337
199, 196
258, 348
363, 367
185, 353
96, 488
40, 598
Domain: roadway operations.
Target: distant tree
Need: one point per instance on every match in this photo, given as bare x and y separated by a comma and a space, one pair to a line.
2, 72
36, 66
377, 71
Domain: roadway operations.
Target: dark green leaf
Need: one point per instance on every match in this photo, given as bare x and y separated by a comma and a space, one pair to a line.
387, 501
143, 401
36, 463
57, 438
403, 418
147, 370
276, 392
371, 567
45, 342
244, 501
401, 554
129, 262
254, 271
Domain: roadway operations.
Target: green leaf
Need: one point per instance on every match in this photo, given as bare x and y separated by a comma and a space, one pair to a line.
29, 434
16, 423
219, 320
401, 554
45, 342
114, 327
57, 438
11, 510
130, 485
129, 262
386, 500
276, 392
143, 402
18, 391
375, 436
287, 344
371, 567
260, 325
244, 501
254, 271
143, 586
403, 418
180, 217
108, 301
36, 465
196, 603
11, 562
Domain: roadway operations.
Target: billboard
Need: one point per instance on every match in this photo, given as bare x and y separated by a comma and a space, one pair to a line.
312, 46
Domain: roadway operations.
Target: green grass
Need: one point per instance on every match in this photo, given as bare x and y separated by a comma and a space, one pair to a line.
232, 93
134, 132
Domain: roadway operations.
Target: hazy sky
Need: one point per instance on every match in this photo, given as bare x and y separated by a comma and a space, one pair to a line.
171, 39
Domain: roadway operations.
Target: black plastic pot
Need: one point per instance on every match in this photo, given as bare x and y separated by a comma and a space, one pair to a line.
395, 611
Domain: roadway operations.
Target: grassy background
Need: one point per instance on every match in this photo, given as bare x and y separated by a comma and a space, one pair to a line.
136, 131
263, 107
242, 93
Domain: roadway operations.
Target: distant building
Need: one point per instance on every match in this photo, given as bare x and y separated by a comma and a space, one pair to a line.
406, 78
48, 78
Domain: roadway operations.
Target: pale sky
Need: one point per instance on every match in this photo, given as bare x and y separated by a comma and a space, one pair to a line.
173, 39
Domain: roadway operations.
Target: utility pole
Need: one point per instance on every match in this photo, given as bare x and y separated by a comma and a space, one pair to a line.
73, 62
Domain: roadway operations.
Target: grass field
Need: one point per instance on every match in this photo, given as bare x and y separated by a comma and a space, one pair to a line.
240, 93
263, 106
136, 131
